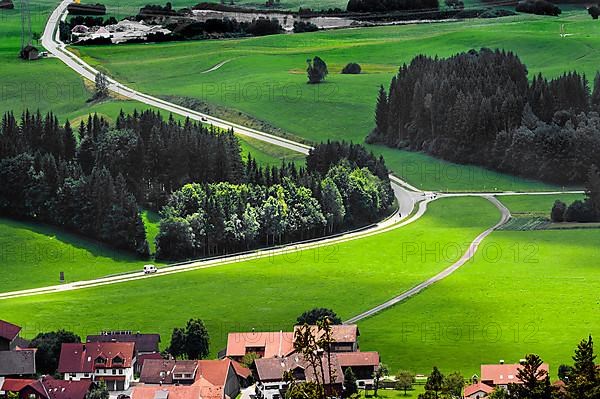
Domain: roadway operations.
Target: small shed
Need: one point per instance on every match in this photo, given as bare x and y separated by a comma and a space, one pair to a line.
30, 53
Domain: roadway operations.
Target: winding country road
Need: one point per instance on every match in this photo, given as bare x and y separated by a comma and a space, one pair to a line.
407, 195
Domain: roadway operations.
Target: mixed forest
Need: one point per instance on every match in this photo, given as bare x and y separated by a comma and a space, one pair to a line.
95, 179
480, 108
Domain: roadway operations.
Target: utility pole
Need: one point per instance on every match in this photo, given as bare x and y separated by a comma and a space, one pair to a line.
25, 25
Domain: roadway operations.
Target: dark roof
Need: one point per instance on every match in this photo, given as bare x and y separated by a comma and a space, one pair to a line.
272, 369
21, 362
8, 331
144, 343
156, 371
80, 358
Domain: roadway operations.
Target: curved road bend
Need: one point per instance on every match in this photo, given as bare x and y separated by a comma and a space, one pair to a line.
444, 273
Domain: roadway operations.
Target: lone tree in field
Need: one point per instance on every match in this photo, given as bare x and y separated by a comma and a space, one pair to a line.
316, 70
558, 211
404, 381
435, 382
101, 86
317, 315
584, 379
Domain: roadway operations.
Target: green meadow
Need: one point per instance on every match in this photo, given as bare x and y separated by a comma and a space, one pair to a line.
265, 77
268, 293
525, 292
536, 205
33, 255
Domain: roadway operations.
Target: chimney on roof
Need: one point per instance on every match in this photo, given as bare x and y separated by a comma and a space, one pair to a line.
252, 329
501, 361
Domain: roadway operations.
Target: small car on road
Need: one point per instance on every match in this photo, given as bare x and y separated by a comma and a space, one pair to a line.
149, 269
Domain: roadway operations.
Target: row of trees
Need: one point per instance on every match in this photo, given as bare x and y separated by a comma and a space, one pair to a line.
457, 109
391, 5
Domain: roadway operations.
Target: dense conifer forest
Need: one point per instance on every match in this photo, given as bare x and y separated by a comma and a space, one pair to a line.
479, 108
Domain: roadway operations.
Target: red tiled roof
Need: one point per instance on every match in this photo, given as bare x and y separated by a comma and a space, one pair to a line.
275, 344
80, 358
214, 371
199, 390
140, 359
8, 331
479, 387
15, 384
61, 389
355, 359
502, 374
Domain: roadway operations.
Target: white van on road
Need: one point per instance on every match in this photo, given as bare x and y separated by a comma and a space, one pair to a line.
149, 269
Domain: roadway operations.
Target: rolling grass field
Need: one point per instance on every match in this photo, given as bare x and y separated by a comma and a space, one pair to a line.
532, 292
33, 255
266, 77
268, 293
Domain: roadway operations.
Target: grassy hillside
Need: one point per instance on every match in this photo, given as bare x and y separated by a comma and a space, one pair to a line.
33, 255
268, 293
536, 292
266, 76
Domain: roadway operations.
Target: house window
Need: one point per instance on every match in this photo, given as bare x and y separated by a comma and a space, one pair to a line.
120, 371
118, 360
86, 375
73, 375
114, 371
100, 360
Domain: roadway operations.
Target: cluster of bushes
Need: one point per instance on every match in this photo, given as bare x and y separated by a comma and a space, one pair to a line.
458, 110
47, 178
539, 7
156, 10
304, 26
224, 28
391, 5
337, 190
594, 11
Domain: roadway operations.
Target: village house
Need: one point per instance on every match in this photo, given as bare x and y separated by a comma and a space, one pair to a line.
271, 383
45, 388
16, 358
189, 379
146, 345
496, 375
111, 362
281, 344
